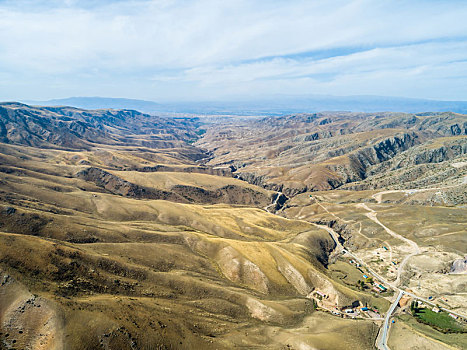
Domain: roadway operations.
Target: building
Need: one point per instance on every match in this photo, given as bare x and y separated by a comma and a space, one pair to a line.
383, 288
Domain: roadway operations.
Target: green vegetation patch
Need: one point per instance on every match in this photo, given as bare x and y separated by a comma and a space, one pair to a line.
455, 339
441, 321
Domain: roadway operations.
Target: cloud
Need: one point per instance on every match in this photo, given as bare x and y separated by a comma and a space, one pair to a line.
203, 49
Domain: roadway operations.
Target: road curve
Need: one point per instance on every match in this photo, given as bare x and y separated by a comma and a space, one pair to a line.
381, 342
415, 249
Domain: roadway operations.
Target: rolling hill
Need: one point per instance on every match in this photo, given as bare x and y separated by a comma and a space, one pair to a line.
123, 230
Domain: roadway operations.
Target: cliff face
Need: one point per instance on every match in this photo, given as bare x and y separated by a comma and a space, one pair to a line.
437, 162
381, 152
321, 151
440, 154
445, 124
359, 160
459, 265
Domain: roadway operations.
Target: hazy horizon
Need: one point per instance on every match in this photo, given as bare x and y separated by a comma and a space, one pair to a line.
239, 99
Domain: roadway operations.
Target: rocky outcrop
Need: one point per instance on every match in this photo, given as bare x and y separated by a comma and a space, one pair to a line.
444, 124
362, 159
258, 181
459, 265
420, 166
321, 151
441, 154
382, 151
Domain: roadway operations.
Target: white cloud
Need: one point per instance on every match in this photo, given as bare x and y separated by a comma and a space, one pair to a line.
164, 48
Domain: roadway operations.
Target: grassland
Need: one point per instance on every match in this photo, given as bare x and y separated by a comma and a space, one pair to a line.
453, 340
439, 320
123, 272
123, 237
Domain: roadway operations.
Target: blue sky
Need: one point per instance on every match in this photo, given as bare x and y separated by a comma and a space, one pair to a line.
171, 50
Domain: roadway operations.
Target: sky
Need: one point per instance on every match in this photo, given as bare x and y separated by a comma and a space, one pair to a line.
169, 50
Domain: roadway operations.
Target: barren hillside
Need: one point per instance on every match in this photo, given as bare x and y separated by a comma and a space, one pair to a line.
117, 232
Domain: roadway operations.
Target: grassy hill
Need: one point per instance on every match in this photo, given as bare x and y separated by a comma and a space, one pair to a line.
116, 232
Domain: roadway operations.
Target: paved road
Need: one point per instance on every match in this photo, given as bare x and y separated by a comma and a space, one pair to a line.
382, 343
382, 337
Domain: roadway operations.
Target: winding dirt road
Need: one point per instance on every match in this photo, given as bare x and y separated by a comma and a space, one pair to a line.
415, 249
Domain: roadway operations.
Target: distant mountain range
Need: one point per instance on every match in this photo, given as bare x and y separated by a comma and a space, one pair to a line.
276, 105
101, 103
